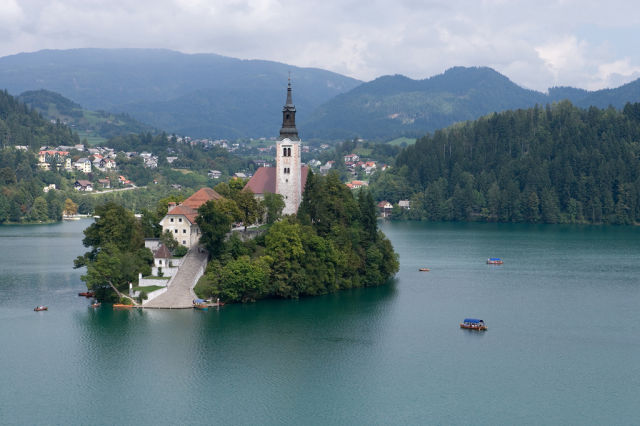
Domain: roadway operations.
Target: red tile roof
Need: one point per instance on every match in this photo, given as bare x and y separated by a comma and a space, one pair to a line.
189, 207
264, 180
200, 197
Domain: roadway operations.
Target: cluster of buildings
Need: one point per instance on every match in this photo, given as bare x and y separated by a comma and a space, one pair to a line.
287, 178
102, 159
355, 164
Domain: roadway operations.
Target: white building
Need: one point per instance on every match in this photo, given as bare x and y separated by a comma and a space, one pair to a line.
180, 220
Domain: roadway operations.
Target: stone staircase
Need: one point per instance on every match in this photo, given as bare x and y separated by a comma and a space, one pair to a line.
179, 294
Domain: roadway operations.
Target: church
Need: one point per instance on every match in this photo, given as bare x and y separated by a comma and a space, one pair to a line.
289, 176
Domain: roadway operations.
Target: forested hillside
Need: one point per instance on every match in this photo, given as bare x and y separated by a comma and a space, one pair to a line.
554, 164
21, 125
56, 107
198, 95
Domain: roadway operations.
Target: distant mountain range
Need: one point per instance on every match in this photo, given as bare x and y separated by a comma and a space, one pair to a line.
392, 106
195, 95
207, 95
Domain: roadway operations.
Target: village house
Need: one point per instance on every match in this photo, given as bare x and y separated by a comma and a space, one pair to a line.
385, 208
83, 165
351, 158
325, 169
180, 219
356, 184
214, 174
83, 185
404, 204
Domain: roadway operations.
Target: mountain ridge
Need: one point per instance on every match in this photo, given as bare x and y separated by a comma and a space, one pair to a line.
210, 95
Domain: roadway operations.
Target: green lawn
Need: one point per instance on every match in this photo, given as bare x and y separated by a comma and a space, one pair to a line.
400, 141
148, 289
92, 138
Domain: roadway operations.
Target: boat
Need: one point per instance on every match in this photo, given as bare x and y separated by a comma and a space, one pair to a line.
121, 306
494, 261
424, 269
200, 304
473, 324
40, 308
95, 304
87, 294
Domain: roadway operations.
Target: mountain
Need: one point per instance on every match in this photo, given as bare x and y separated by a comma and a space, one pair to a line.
392, 106
56, 107
221, 96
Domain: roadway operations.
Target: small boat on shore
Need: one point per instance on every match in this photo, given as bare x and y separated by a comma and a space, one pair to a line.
424, 269
473, 324
494, 261
40, 308
121, 306
87, 294
200, 304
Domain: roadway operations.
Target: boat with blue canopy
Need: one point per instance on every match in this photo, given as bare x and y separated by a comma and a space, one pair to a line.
494, 261
473, 324
200, 304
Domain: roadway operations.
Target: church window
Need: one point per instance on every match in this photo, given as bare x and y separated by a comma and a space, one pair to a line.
171, 220
184, 231
180, 219
175, 231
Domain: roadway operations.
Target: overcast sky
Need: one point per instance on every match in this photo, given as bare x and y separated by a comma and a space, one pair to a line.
589, 44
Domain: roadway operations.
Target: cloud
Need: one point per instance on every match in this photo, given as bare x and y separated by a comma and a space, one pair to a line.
564, 42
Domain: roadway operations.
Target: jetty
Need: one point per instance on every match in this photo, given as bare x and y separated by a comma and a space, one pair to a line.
179, 294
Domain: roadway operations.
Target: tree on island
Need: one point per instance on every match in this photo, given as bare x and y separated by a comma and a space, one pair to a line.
333, 243
117, 252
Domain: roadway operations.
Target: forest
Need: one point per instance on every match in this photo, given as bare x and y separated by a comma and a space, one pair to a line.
553, 164
333, 243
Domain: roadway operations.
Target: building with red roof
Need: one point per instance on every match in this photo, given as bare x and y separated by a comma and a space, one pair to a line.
180, 219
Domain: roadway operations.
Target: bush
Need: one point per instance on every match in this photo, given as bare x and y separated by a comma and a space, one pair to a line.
180, 251
142, 296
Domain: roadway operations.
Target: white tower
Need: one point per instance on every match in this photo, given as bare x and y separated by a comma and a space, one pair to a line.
288, 174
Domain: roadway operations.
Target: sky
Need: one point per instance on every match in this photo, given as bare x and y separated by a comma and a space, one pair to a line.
589, 44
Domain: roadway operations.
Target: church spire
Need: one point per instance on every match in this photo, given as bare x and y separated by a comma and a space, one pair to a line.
288, 129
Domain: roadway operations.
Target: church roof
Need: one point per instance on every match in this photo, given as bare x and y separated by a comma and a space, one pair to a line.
264, 180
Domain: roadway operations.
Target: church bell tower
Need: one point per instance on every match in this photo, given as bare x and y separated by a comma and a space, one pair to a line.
288, 164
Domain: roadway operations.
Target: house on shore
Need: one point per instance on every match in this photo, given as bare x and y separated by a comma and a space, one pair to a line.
180, 219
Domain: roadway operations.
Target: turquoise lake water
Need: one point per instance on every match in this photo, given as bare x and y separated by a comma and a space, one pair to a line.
563, 345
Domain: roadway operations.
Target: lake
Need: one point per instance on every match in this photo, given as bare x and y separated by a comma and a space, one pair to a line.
563, 345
